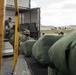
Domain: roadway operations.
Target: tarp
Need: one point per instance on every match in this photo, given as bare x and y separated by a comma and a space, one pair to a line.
51, 71
10, 33
72, 58
54, 71
62, 54
26, 47
11, 40
41, 47
21, 48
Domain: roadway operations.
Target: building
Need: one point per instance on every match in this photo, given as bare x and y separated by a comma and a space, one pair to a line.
73, 26
47, 27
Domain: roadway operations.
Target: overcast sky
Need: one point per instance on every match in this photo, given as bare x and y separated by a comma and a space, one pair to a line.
56, 12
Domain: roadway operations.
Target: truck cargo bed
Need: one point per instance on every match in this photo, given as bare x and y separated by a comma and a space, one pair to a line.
29, 66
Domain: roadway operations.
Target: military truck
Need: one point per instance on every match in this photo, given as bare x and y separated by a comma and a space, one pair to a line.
28, 18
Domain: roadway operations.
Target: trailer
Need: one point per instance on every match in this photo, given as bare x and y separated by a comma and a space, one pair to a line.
24, 17
28, 17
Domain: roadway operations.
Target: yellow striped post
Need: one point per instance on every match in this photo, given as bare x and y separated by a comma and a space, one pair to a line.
2, 8
16, 32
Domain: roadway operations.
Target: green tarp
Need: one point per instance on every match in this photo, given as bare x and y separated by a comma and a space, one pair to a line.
53, 71
21, 48
21, 36
72, 58
11, 40
62, 54
41, 47
10, 33
26, 47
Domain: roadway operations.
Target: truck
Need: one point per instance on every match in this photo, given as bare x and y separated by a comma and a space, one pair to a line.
28, 18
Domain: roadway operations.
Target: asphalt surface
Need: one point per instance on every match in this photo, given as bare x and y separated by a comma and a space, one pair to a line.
7, 66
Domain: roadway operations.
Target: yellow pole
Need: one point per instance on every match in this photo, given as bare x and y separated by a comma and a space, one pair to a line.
2, 8
16, 33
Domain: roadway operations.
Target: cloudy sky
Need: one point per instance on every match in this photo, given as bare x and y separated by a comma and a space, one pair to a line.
56, 12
